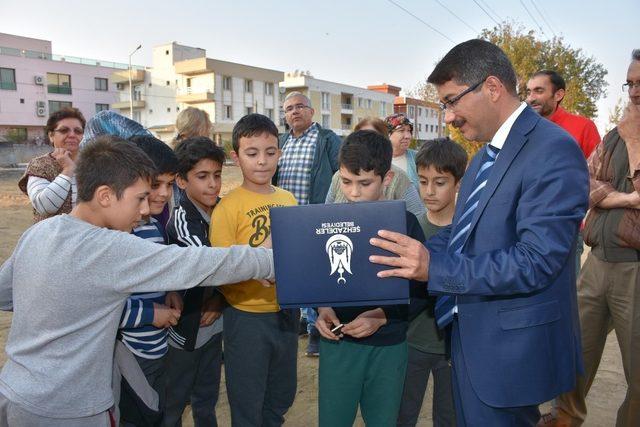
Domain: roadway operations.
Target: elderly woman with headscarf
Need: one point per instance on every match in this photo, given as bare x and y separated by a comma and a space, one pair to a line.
49, 180
400, 132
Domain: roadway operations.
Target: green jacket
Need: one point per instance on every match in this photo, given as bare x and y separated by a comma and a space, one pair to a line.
325, 163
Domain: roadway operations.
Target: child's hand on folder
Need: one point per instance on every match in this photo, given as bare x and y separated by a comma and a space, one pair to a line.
327, 320
366, 323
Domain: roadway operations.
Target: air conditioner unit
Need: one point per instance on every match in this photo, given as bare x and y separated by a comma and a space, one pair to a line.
41, 104
41, 111
39, 80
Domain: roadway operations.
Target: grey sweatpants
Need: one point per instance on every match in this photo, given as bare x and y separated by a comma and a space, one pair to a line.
12, 415
260, 356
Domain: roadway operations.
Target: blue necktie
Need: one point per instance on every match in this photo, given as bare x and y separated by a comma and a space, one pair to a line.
446, 304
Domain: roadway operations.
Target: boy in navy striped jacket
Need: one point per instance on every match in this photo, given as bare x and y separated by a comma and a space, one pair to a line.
194, 359
145, 319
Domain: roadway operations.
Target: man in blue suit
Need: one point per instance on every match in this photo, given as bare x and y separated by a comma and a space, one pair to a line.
504, 270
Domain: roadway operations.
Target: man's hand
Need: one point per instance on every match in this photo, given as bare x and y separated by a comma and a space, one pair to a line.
365, 324
211, 310
412, 261
164, 316
174, 300
629, 126
327, 320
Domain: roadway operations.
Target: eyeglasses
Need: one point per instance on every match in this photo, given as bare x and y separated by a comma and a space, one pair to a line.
66, 130
451, 103
297, 107
630, 85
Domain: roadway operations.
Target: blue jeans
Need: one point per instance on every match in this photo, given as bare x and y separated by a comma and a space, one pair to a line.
311, 316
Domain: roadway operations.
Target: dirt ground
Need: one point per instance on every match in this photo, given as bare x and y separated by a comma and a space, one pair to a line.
607, 392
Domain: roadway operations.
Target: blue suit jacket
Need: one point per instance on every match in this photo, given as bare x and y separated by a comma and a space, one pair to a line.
515, 278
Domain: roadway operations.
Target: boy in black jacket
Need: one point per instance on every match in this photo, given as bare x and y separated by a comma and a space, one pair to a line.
195, 344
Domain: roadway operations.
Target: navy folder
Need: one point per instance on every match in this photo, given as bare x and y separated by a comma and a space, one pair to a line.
321, 254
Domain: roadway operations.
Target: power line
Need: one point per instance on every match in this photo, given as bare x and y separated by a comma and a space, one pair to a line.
459, 19
422, 21
543, 18
491, 9
487, 13
532, 17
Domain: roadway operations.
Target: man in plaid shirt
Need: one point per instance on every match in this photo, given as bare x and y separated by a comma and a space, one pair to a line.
309, 160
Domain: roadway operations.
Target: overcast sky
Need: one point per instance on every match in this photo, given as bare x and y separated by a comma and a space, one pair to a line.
355, 42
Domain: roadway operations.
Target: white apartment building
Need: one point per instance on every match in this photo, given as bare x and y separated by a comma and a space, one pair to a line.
34, 82
182, 76
337, 106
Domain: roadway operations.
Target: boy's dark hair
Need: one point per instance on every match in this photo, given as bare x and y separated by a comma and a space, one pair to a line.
160, 153
252, 125
444, 155
366, 150
554, 77
191, 150
113, 162
471, 62
64, 113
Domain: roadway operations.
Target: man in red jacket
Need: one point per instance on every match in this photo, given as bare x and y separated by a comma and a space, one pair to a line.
545, 91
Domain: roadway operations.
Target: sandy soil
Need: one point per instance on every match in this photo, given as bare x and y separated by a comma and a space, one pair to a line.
606, 394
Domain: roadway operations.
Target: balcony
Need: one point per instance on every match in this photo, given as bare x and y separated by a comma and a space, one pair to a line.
192, 95
137, 76
124, 105
347, 108
192, 67
60, 89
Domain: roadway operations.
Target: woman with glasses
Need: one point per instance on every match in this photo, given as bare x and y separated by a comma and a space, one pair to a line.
49, 180
400, 133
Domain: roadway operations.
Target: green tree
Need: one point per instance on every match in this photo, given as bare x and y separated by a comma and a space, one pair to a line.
615, 115
528, 54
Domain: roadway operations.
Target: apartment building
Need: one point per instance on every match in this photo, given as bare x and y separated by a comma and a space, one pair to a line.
34, 82
182, 76
426, 116
337, 106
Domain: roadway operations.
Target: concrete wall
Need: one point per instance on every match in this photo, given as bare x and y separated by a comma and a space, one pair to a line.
12, 154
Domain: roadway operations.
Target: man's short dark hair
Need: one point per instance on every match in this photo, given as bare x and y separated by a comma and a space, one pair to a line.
635, 55
113, 162
252, 125
160, 153
366, 150
191, 150
444, 155
473, 61
556, 79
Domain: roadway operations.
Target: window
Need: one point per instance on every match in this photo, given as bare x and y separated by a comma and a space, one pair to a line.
7, 79
58, 105
359, 102
21, 100
419, 127
268, 88
368, 103
59, 83
326, 121
102, 84
168, 83
149, 84
101, 107
17, 134
269, 113
228, 112
412, 110
168, 109
151, 111
419, 111
248, 86
226, 82
177, 109
249, 110
326, 101
383, 109
431, 128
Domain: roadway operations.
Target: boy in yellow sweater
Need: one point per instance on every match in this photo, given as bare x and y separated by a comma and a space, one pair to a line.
260, 339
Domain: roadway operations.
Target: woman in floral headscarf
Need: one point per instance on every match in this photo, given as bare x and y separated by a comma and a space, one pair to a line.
109, 122
400, 133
